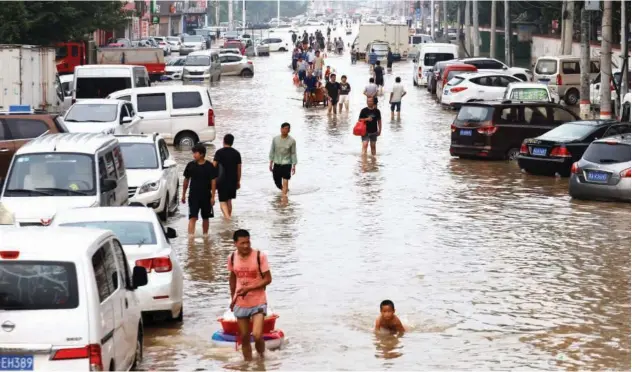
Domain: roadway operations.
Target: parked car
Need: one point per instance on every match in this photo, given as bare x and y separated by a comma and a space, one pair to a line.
151, 172
414, 42
448, 72
182, 114
16, 130
97, 81
603, 173
173, 70
236, 44
146, 244
464, 88
555, 151
83, 274
276, 44
595, 85
175, 43
496, 129
66, 86
531, 92
563, 74
228, 51
203, 66
192, 43
102, 116
436, 73
493, 65
429, 55
163, 44
233, 65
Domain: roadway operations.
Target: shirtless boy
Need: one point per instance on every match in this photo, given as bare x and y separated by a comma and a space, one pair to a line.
387, 319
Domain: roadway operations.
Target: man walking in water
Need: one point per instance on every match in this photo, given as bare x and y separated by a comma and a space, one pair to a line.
227, 161
249, 276
283, 158
373, 119
201, 174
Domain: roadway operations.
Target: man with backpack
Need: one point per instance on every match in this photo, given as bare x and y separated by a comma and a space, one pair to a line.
227, 161
249, 276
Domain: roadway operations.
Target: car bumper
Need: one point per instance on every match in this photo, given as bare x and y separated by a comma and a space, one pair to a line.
584, 190
185, 51
482, 152
195, 78
171, 77
160, 294
207, 135
545, 166
152, 199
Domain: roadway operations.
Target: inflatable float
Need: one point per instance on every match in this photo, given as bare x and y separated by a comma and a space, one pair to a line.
229, 335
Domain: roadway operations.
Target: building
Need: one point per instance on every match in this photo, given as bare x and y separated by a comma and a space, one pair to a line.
178, 17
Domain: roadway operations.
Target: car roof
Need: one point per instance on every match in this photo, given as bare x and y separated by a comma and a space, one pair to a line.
459, 65
95, 67
162, 88
82, 143
595, 123
140, 214
509, 102
66, 78
99, 101
482, 74
526, 84
138, 138
624, 139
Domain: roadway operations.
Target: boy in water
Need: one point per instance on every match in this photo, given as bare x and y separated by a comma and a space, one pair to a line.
387, 319
200, 174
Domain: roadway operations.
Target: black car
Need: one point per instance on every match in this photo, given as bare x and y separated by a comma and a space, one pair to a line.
496, 129
556, 150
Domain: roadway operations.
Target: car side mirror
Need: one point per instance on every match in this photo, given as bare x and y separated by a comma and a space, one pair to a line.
139, 276
126, 120
171, 233
108, 185
505, 67
414, 60
552, 100
168, 163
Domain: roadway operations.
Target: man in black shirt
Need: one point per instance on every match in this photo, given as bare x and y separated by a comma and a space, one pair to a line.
228, 163
333, 92
379, 77
373, 119
201, 174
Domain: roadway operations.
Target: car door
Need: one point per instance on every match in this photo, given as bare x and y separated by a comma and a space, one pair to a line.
170, 172
156, 118
7, 149
536, 122
187, 112
23, 130
481, 87
134, 126
130, 310
106, 318
107, 171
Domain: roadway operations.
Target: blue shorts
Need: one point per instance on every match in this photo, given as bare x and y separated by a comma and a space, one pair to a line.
310, 90
396, 105
248, 312
301, 75
370, 137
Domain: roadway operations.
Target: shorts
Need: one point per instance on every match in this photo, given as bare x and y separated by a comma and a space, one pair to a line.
396, 105
226, 192
379, 82
344, 98
200, 205
248, 312
301, 75
310, 90
283, 171
318, 72
370, 137
334, 100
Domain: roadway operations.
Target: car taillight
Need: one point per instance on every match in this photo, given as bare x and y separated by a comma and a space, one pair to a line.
487, 130
611, 86
250, 62
625, 173
457, 89
575, 168
419, 70
560, 152
158, 264
9, 255
558, 79
211, 118
524, 149
91, 352
453, 128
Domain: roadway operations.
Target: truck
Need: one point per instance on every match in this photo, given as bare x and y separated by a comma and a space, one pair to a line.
68, 55
28, 77
152, 58
395, 35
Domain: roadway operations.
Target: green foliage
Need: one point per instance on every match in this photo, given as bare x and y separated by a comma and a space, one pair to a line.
48, 22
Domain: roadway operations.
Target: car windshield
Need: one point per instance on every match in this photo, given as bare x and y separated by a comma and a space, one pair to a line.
51, 174
604, 153
193, 39
92, 112
139, 155
529, 94
128, 232
61, 52
546, 67
38, 285
474, 114
455, 80
198, 61
567, 132
173, 38
431, 59
453, 73
95, 87
176, 62
380, 47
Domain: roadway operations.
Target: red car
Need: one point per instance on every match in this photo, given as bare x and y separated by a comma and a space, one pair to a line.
237, 45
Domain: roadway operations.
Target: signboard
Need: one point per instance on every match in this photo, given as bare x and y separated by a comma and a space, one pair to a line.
155, 20
530, 94
144, 29
418, 14
135, 28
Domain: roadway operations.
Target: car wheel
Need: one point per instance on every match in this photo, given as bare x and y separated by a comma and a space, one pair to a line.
512, 154
246, 73
572, 97
176, 199
282, 50
138, 355
164, 213
180, 317
186, 139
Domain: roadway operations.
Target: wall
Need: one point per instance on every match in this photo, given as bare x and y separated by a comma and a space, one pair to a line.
548, 46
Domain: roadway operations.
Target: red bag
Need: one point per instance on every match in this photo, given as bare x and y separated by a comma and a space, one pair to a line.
360, 129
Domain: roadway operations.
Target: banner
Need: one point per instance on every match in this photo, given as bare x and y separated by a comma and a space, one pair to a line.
135, 28
144, 29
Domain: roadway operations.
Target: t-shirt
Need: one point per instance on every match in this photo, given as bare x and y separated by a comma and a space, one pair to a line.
247, 272
311, 56
302, 66
371, 90
379, 73
345, 88
332, 89
310, 82
371, 126
227, 159
372, 58
318, 63
200, 177
398, 92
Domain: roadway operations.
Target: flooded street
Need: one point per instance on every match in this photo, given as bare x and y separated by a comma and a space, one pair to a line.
488, 268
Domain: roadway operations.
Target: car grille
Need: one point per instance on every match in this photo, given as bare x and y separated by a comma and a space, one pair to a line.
169, 72
196, 72
25, 224
131, 191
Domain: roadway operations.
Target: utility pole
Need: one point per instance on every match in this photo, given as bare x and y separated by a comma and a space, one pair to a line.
445, 21
508, 34
605, 103
432, 19
243, 16
468, 29
475, 31
217, 7
568, 33
492, 34
231, 26
278, 13
584, 66
563, 29
625, 84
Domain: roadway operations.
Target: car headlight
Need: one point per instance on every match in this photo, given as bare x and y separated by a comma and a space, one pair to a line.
149, 186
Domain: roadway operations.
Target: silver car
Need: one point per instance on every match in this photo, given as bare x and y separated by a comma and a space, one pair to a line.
236, 65
191, 44
603, 173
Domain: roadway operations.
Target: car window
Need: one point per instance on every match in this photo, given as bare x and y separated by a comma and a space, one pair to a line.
74, 51
123, 113
562, 116
570, 67
109, 166
546, 67
102, 173
183, 100
111, 270
125, 98
3, 134
617, 129
152, 102
493, 65
485, 81
508, 115
100, 274
118, 161
121, 262
602, 152
26, 128
594, 67
134, 233
535, 115
164, 151
130, 109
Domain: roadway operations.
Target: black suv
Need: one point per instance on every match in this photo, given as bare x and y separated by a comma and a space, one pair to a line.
496, 129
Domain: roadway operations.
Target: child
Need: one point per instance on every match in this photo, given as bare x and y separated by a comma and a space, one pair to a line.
387, 319
327, 73
201, 174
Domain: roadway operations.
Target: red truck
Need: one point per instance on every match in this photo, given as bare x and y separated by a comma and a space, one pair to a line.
68, 55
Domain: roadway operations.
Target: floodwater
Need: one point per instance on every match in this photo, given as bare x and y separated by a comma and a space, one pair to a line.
489, 268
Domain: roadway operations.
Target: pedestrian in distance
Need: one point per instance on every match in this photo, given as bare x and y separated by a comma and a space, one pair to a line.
373, 120
201, 175
396, 98
319, 63
311, 83
389, 60
227, 160
372, 60
333, 93
370, 91
249, 277
379, 77
301, 68
345, 89
283, 158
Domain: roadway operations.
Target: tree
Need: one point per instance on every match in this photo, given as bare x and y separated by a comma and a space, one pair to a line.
49, 22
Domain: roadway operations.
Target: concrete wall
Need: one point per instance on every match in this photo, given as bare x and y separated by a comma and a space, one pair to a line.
548, 46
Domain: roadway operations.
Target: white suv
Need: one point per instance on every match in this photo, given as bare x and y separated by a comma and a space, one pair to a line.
151, 173
276, 44
494, 65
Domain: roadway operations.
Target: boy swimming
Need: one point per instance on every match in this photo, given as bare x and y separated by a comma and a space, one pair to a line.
387, 319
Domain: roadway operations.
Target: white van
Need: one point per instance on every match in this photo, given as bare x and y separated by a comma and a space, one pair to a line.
563, 74
69, 301
429, 55
202, 66
61, 171
414, 43
182, 114
98, 81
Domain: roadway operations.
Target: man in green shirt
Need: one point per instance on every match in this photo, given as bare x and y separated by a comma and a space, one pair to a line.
283, 158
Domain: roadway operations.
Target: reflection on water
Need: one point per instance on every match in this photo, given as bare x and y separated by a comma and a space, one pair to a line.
489, 268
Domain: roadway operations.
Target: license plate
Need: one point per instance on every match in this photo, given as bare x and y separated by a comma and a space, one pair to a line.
544, 81
197, 79
445, 92
597, 176
539, 151
16, 362
465, 132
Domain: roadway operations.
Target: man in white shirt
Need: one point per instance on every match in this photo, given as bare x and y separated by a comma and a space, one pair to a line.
396, 97
370, 91
311, 57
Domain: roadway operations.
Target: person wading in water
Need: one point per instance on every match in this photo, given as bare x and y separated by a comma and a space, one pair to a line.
283, 158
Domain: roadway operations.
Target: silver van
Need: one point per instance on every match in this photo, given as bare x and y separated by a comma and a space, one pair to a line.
562, 73
202, 66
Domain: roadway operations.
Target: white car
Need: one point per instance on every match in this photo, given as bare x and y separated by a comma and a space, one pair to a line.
531, 92
173, 69
146, 244
70, 301
152, 177
102, 115
475, 87
66, 86
595, 88
493, 65
276, 44
174, 42
192, 43
162, 43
